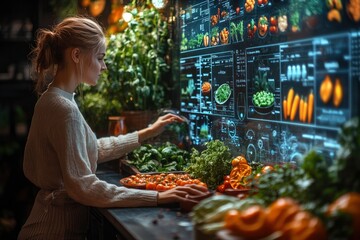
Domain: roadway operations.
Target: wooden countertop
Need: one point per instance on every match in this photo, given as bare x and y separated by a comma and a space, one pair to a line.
166, 222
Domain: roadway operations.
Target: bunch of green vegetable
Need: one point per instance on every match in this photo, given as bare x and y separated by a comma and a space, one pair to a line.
223, 93
263, 99
236, 30
211, 164
163, 158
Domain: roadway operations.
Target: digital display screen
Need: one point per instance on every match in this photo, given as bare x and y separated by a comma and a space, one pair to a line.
273, 79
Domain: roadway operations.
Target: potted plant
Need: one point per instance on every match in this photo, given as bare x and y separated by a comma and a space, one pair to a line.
137, 66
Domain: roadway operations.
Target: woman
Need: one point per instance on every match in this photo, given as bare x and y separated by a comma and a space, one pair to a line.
62, 153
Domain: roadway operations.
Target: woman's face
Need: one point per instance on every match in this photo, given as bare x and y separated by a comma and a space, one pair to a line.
94, 65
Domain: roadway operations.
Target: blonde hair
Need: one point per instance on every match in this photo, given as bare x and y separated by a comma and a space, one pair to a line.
48, 54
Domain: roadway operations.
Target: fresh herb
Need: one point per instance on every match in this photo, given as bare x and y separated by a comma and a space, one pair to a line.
211, 164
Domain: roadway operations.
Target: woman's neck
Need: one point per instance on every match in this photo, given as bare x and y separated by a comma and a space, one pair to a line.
65, 81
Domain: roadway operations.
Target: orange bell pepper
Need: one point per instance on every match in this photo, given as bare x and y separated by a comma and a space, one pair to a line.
304, 226
348, 203
250, 223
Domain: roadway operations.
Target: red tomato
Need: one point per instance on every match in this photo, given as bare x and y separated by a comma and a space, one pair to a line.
166, 187
180, 182
221, 188
171, 176
160, 187
273, 20
227, 184
273, 29
150, 186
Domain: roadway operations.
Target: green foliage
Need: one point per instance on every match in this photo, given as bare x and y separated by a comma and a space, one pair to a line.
136, 61
211, 164
136, 69
346, 169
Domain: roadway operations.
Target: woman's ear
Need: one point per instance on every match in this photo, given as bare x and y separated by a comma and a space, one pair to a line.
75, 55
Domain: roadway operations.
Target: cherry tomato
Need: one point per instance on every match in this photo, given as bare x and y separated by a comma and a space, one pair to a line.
227, 184
180, 182
221, 188
273, 20
171, 176
273, 29
150, 186
160, 187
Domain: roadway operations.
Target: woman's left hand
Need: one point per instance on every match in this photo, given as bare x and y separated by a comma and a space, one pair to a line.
188, 193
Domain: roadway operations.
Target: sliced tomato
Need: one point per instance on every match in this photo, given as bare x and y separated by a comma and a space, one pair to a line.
238, 176
238, 160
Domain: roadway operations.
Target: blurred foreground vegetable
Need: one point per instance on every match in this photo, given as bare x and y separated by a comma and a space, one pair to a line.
209, 214
251, 223
283, 218
318, 199
348, 203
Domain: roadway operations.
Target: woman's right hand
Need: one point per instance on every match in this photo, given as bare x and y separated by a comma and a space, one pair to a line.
191, 192
158, 126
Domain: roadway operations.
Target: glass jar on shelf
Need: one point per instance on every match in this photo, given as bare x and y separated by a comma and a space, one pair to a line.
117, 125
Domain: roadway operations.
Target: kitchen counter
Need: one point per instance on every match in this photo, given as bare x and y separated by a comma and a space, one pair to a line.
166, 222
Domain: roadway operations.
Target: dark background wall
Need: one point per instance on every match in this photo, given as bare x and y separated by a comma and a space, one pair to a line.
19, 21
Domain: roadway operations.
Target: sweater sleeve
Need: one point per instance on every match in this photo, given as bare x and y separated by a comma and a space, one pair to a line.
69, 140
110, 148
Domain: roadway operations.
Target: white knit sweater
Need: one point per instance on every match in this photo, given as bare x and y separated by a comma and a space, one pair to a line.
61, 156
62, 152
